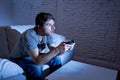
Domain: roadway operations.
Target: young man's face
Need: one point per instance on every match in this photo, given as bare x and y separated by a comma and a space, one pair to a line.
48, 27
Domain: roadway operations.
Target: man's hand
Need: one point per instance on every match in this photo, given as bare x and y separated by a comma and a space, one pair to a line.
72, 46
64, 47
61, 47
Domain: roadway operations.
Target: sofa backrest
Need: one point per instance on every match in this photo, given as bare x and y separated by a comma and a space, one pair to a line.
21, 28
10, 34
8, 38
57, 37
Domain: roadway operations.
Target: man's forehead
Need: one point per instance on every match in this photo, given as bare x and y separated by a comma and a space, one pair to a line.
50, 21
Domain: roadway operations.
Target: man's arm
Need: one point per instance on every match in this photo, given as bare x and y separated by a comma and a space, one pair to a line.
43, 58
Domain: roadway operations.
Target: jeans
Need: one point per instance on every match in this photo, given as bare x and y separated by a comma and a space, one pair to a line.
33, 71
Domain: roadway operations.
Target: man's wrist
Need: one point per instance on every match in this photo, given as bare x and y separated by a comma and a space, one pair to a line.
57, 50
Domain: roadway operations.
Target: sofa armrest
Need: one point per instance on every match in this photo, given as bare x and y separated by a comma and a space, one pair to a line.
66, 56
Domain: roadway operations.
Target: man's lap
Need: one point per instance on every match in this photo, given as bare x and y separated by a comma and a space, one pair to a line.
31, 69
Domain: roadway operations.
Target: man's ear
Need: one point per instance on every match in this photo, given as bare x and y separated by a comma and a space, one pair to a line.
39, 27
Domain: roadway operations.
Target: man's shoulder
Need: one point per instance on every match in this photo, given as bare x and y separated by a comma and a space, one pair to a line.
30, 34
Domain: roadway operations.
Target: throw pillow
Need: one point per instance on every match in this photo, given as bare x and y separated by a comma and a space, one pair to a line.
12, 37
57, 39
3, 43
9, 68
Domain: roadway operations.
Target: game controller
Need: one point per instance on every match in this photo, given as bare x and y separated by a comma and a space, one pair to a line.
69, 42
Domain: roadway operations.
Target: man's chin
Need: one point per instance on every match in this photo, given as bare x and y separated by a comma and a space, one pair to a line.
48, 34
51, 33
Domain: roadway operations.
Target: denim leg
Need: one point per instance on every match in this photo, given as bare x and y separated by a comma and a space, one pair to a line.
54, 63
32, 71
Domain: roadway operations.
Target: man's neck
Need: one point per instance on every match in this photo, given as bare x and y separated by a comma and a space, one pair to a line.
40, 37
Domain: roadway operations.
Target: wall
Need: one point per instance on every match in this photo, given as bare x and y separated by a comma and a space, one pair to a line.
93, 24
26, 10
6, 10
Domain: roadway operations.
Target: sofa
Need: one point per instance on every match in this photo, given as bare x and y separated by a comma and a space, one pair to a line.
8, 37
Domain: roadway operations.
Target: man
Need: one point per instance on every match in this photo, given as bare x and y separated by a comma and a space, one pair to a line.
28, 50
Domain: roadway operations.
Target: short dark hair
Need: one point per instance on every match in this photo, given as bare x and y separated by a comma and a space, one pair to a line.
42, 17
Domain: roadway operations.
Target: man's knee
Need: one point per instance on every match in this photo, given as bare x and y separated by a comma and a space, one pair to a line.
34, 72
55, 61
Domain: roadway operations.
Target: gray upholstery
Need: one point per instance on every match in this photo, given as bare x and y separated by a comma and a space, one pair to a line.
4, 52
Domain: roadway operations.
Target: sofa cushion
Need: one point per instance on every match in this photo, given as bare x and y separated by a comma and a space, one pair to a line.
12, 37
3, 43
22, 28
17, 77
57, 39
8, 69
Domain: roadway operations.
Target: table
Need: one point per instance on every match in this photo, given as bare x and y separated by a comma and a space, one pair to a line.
74, 70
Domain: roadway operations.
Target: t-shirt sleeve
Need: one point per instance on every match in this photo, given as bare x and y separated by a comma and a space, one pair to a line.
50, 40
30, 41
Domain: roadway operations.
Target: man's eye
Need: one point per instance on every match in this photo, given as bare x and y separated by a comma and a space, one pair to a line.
48, 24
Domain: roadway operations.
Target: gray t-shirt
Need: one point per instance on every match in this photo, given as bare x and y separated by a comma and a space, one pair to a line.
30, 40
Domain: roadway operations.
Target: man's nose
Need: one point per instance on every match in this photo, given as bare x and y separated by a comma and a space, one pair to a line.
53, 27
